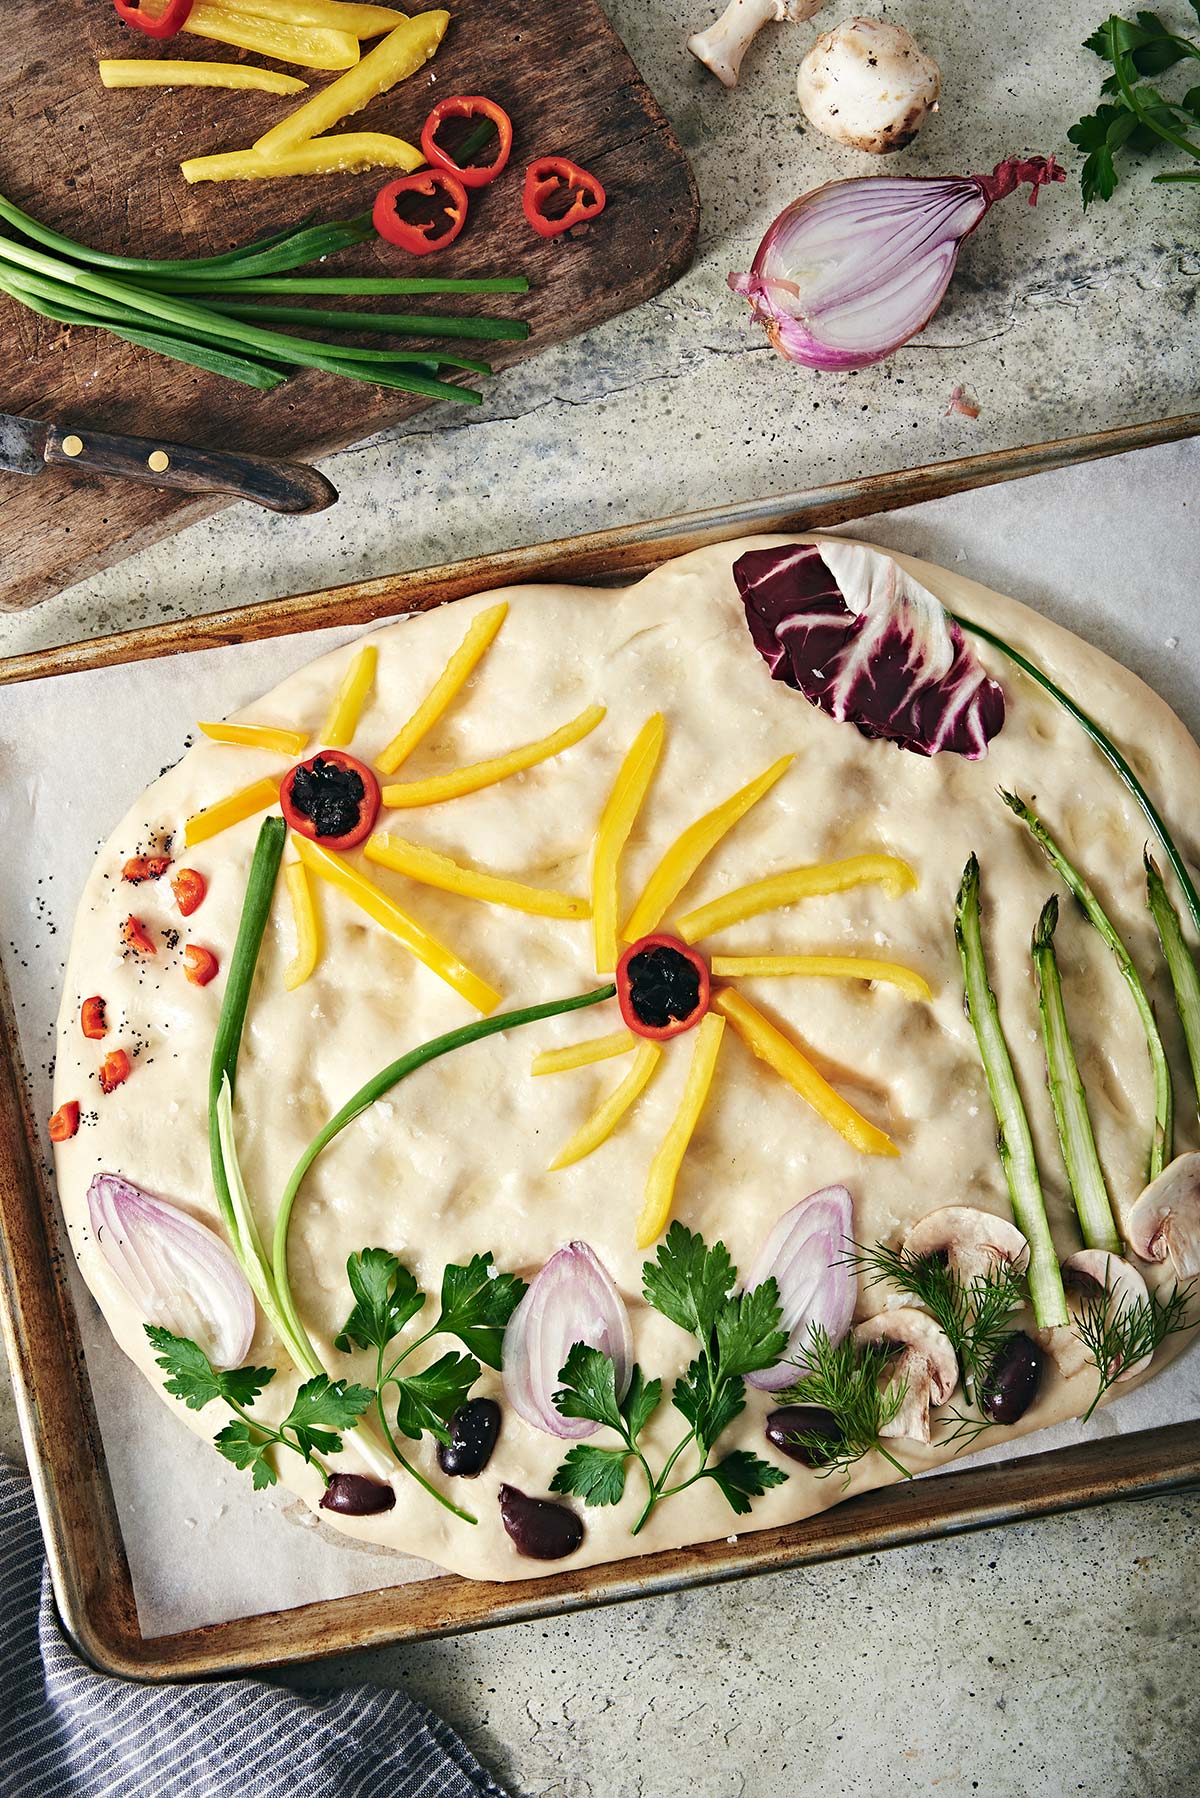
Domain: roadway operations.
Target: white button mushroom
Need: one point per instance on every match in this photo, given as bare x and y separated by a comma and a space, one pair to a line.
868, 84
722, 47
1165, 1221
1086, 1274
924, 1360
972, 1241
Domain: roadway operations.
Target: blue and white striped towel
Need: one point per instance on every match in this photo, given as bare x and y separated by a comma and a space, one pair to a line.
70, 1732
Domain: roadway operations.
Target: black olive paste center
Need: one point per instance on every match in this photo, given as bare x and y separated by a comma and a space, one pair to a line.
664, 986
329, 796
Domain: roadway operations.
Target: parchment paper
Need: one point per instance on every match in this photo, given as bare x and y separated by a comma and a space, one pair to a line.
1111, 549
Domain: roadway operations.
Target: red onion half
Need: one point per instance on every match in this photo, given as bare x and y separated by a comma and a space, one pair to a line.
572, 1300
176, 1271
849, 272
806, 1253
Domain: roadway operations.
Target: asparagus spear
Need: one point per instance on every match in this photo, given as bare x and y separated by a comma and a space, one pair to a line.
1180, 965
1016, 1143
1068, 1097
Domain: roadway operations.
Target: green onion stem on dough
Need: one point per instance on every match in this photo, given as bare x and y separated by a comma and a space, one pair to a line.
1185, 980
1067, 1095
1164, 1102
1015, 1141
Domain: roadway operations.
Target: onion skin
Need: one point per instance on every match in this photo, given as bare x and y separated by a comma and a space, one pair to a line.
805, 1254
571, 1300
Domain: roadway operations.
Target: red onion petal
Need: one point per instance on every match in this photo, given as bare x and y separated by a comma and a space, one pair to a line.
804, 1252
176, 1271
571, 1300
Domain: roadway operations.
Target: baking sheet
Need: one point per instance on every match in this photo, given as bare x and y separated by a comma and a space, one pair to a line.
1110, 548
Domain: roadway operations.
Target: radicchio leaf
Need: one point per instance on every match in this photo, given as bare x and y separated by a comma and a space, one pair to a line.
861, 639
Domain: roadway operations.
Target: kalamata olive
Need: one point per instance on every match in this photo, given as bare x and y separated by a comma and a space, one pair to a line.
473, 1432
1011, 1382
792, 1421
541, 1530
354, 1495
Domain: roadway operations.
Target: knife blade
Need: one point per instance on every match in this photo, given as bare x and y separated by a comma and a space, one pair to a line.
30, 445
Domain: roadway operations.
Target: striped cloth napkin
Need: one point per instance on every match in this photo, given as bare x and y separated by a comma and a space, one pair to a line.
70, 1732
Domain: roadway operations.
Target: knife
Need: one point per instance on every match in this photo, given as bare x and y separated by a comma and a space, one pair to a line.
29, 445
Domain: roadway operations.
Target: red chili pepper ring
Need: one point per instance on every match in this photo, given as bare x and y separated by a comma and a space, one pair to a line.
420, 235
157, 24
662, 987
488, 113
545, 180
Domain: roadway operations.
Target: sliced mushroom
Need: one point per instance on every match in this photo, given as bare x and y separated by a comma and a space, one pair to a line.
722, 47
1085, 1274
1165, 1222
972, 1241
922, 1356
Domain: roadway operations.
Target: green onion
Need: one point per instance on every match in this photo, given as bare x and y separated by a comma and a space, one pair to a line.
1015, 1141
1180, 964
1108, 750
401, 324
1164, 1102
353, 284
1068, 1097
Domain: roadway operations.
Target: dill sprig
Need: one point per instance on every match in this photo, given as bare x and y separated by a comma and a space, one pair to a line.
1119, 1337
846, 1380
976, 1316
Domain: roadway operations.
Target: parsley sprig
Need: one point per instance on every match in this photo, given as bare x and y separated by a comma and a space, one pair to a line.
1137, 116
320, 1411
738, 1333
1118, 1335
846, 1379
476, 1304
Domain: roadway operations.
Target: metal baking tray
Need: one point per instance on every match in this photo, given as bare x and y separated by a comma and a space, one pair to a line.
75, 1500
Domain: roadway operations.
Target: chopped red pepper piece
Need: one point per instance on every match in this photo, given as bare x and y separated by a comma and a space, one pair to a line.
332, 798
135, 936
145, 867
65, 1122
158, 22
545, 181
662, 987
468, 106
189, 888
114, 1070
92, 1019
202, 964
419, 235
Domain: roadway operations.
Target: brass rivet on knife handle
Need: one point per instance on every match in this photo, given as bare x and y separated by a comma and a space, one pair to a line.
158, 460
72, 446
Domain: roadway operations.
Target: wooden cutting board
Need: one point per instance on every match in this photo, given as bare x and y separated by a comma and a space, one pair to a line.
104, 167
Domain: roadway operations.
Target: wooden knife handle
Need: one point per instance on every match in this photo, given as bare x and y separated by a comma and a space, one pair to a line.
280, 486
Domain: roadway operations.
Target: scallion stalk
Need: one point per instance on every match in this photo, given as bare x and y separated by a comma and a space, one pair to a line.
1015, 1140
1181, 965
1068, 1097
1164, 1100
345, 284
399, 324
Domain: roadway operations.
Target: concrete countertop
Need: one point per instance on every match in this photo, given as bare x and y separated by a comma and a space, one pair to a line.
1053, 1658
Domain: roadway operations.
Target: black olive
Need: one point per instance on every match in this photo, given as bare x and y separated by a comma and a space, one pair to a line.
328, 794
473, 1432
791, 1421
664, 986
1011, 1382
540, 1530
354, 1495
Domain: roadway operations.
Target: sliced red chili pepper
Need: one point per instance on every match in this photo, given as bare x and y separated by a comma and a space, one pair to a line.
65, 1122
114, 1070
189, 889
332, 798
662, 986
421, 235
155, 22
135, 936
545, 181
145, 867
201, 966
454, 160
92, 1019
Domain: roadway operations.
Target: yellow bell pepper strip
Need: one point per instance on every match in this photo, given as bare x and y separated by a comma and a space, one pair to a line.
664, 1169
887, 871
582, 1055
349, 153
333, 15
446, 688
771, 1046
308, 930
257, 736
153, 72
608, 1114
612, 833
312, 47
370, 899
400, 54
838, 967
339, 727
434, 870
688, 851
231, 810
477, 775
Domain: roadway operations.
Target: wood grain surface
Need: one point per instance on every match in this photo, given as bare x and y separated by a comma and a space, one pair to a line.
103, 166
